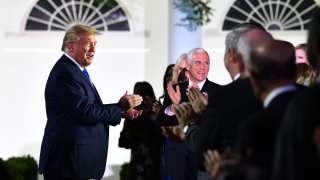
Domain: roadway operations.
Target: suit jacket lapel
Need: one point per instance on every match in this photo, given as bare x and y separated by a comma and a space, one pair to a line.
91, 85
83, 77
205, 87
96, 93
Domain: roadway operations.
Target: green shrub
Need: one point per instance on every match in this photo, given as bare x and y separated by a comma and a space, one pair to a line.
4, 174
22, 168
125, 171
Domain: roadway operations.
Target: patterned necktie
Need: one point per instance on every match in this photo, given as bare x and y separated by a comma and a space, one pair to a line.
85, 72
196, 86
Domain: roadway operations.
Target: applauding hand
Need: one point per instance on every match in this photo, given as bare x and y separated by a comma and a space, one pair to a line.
174, 133
175, 95
130, 101
185, 114
132, 114
198, 100
127, 103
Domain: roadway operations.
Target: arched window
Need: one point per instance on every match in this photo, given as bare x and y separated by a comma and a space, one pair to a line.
278, 15
58, 15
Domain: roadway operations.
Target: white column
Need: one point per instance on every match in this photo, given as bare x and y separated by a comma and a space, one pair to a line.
181, 40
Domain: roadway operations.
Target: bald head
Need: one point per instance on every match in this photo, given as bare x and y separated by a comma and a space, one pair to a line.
248, 40
272, 61
233, 36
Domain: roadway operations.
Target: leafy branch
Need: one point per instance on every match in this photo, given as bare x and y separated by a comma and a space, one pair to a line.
197, 12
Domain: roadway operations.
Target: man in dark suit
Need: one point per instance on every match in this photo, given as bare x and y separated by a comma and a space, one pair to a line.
231, 104
75, 141
175, 164
298, 142
272, 73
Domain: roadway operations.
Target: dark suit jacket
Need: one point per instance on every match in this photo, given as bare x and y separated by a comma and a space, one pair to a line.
75, 141
259, 133
231, 104
175, 152
296, 155
191, 144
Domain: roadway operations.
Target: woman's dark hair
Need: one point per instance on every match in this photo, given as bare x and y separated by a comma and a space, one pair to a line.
144, 89
182, 75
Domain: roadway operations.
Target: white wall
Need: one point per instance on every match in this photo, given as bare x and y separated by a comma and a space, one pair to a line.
121, 60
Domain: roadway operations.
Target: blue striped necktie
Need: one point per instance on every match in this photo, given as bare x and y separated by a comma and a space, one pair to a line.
85, 72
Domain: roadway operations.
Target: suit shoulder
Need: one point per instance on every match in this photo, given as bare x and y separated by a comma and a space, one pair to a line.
213, 84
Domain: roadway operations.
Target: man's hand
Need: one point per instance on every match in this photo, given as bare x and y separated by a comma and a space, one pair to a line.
185, 114
198, 100
130, 101
156, 106
174, 133
217, 164
132, 114
211, 163
175, 95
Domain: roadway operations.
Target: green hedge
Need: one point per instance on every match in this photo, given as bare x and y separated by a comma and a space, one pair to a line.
19, 168
125, 171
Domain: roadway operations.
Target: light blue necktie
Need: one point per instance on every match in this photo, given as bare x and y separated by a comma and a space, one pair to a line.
85, 72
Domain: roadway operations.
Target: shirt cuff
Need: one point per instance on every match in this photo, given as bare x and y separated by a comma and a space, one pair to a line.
185, 128
168, 112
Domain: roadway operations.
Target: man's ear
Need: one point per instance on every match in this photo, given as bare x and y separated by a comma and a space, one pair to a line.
254, 79
233, 56
257, 83
238, 60
70, 46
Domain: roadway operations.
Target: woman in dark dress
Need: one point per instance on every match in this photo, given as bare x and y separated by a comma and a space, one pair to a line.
143, 137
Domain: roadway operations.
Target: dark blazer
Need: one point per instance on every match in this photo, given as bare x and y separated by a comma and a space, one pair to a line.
232, 103
75, 141
296, 155
175, 152
259, 133
190, 143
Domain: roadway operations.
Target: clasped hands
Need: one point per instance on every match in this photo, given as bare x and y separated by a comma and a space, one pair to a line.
127, 103
186, 116
187, 113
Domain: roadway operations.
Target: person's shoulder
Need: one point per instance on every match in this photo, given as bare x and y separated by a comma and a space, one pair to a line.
305, 101
211, 83
307, 94
241, 85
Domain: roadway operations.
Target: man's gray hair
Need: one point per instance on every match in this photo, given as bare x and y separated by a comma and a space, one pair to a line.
72, 34
200, 50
